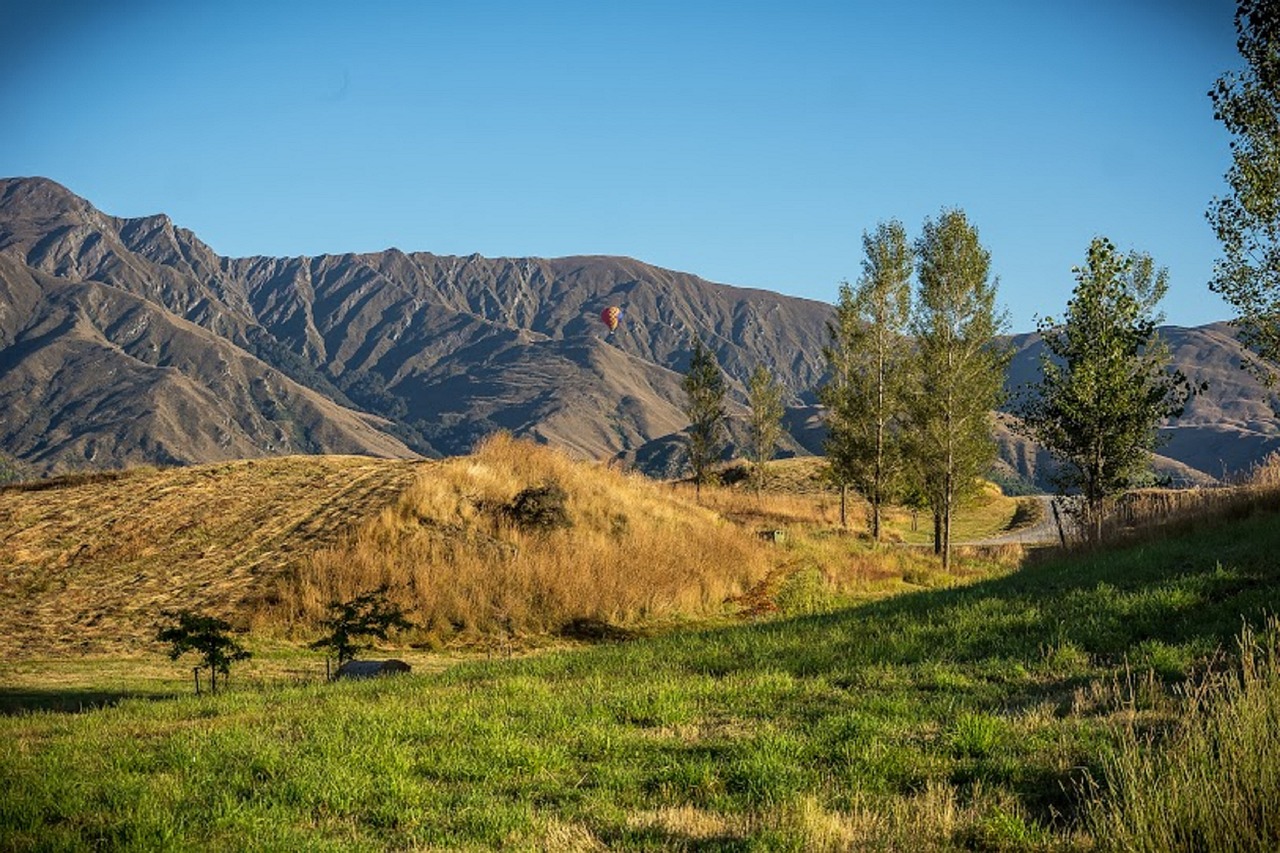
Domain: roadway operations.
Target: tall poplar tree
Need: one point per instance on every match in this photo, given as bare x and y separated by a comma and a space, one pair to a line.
959, 367
868, 359
1106, 382
704, 387
764, 396
1247, 221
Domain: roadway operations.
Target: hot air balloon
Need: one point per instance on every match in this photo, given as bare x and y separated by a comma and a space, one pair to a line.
610, 316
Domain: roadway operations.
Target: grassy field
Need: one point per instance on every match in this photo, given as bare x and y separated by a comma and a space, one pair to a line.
972, 716
796, 493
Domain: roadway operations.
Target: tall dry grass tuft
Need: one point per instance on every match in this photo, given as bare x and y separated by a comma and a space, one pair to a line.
1214, 784
460, 566
1142, 511
769, 508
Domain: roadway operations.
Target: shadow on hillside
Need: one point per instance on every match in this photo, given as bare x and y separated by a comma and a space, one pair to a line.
24, 700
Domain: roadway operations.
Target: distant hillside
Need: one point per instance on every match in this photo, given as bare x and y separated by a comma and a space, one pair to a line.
130, 340
1224, 431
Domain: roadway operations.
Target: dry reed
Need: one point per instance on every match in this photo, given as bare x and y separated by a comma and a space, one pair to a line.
460, 567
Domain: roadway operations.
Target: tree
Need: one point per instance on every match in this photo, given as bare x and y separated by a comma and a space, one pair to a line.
764, 395
353, 624
704, 386
207, 637
868, 359
1247, 221
1105, 382
959, 369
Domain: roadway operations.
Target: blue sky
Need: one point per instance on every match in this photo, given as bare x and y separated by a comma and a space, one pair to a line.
750, 143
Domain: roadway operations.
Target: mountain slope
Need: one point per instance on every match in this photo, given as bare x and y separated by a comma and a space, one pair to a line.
439, 350
94, 376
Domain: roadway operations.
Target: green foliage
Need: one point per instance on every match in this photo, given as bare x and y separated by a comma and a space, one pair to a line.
1105, 382
1247, 221
869, 361
352, 625
705, 388
804, 592
764, 396
207, 637
959, 368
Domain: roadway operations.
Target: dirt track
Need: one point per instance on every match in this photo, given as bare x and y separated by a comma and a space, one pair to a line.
1043, 532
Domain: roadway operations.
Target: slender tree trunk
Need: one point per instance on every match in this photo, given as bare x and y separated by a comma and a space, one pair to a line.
937, 530
946, 525
878, 485
844, 517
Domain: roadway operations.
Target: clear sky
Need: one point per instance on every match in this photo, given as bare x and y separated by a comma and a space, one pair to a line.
751, 143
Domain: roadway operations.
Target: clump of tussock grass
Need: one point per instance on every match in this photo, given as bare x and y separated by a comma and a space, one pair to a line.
1214, 782
459, 558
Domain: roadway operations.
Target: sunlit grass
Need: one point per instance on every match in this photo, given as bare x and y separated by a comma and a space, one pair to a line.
952, 718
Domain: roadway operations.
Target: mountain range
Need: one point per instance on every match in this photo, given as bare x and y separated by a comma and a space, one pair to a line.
129, 341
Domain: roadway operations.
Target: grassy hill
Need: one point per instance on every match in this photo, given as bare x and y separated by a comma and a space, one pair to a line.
91, 562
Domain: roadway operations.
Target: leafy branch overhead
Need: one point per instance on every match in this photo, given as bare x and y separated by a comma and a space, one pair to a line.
1247, 221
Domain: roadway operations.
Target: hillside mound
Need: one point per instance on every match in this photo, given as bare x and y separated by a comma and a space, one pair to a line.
518, 538
514, 539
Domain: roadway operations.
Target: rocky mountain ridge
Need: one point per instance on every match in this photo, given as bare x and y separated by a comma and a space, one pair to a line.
130, 340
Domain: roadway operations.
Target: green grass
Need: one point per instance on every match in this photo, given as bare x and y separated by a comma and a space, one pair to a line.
1215, 782
961, 718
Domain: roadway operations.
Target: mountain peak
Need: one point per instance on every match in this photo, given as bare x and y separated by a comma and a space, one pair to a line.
38, 198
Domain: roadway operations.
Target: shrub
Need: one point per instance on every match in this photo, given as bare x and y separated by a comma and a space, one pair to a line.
351, 624
207, 636
539, 508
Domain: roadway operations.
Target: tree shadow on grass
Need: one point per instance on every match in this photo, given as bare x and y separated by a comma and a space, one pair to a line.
15, 701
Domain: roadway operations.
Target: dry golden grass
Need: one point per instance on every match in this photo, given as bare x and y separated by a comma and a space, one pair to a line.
1143, 511
796, 492
90, 563
819, 564
928, 820
459, 568
87, 565
771, 508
